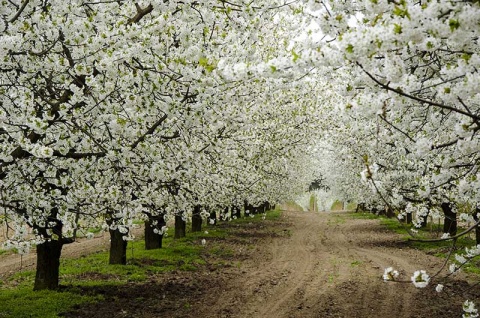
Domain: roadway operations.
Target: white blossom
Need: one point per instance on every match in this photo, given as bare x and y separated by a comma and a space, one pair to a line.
420, 279
390, 274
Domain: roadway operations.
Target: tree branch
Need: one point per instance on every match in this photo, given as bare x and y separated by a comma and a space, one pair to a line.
17, 15
150, 131
140, 13
418, 99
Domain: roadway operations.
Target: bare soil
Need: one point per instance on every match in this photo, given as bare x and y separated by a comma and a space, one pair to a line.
303, 265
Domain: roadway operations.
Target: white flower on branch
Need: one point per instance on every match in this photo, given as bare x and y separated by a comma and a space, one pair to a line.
390, 274
420, 279
469, 310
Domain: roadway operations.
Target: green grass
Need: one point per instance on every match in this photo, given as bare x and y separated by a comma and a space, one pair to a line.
337, 219
355, 263
23, 302
433, 230
337, 206
351, 206
312, 206
291, 205
187, 254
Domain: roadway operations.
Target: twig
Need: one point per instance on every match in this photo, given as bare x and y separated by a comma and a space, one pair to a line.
17, 15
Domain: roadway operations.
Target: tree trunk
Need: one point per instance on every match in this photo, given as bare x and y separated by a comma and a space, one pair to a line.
180, 227
154, 240
424, 221
249, 209
477, 228
450, 221
48, 265
196, 219
118, 248
409, 218
213, 216
390, 213
235, 212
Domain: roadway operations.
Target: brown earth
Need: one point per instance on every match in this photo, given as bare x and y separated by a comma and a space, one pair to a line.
303, 265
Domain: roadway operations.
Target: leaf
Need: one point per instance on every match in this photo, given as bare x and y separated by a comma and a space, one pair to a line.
295, 55
209, 67
454, 24
397, 29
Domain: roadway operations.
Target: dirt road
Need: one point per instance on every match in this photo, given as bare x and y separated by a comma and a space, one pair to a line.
331, 266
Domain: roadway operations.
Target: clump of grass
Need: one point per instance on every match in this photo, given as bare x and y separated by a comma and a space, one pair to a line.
440, 249
362, 216
337, 206
23, 302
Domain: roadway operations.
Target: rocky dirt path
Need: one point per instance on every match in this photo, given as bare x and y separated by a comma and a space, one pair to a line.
331, 266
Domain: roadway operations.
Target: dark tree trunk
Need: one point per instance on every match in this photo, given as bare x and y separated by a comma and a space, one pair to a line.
196, 219
477, 228
235, 212
409, 218
154, 240
48, 254
450, 221
48, 265
360, 208
390, 213
424, 221
118, 248
213, 216
227, 213
180, 227
249, 209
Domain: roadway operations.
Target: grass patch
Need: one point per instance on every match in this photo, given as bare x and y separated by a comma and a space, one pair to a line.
313, 203
23, 302
337, 206
355, 263
291, 205
351, 206
433, 230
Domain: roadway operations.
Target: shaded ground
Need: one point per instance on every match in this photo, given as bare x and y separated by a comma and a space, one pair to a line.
304, 265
